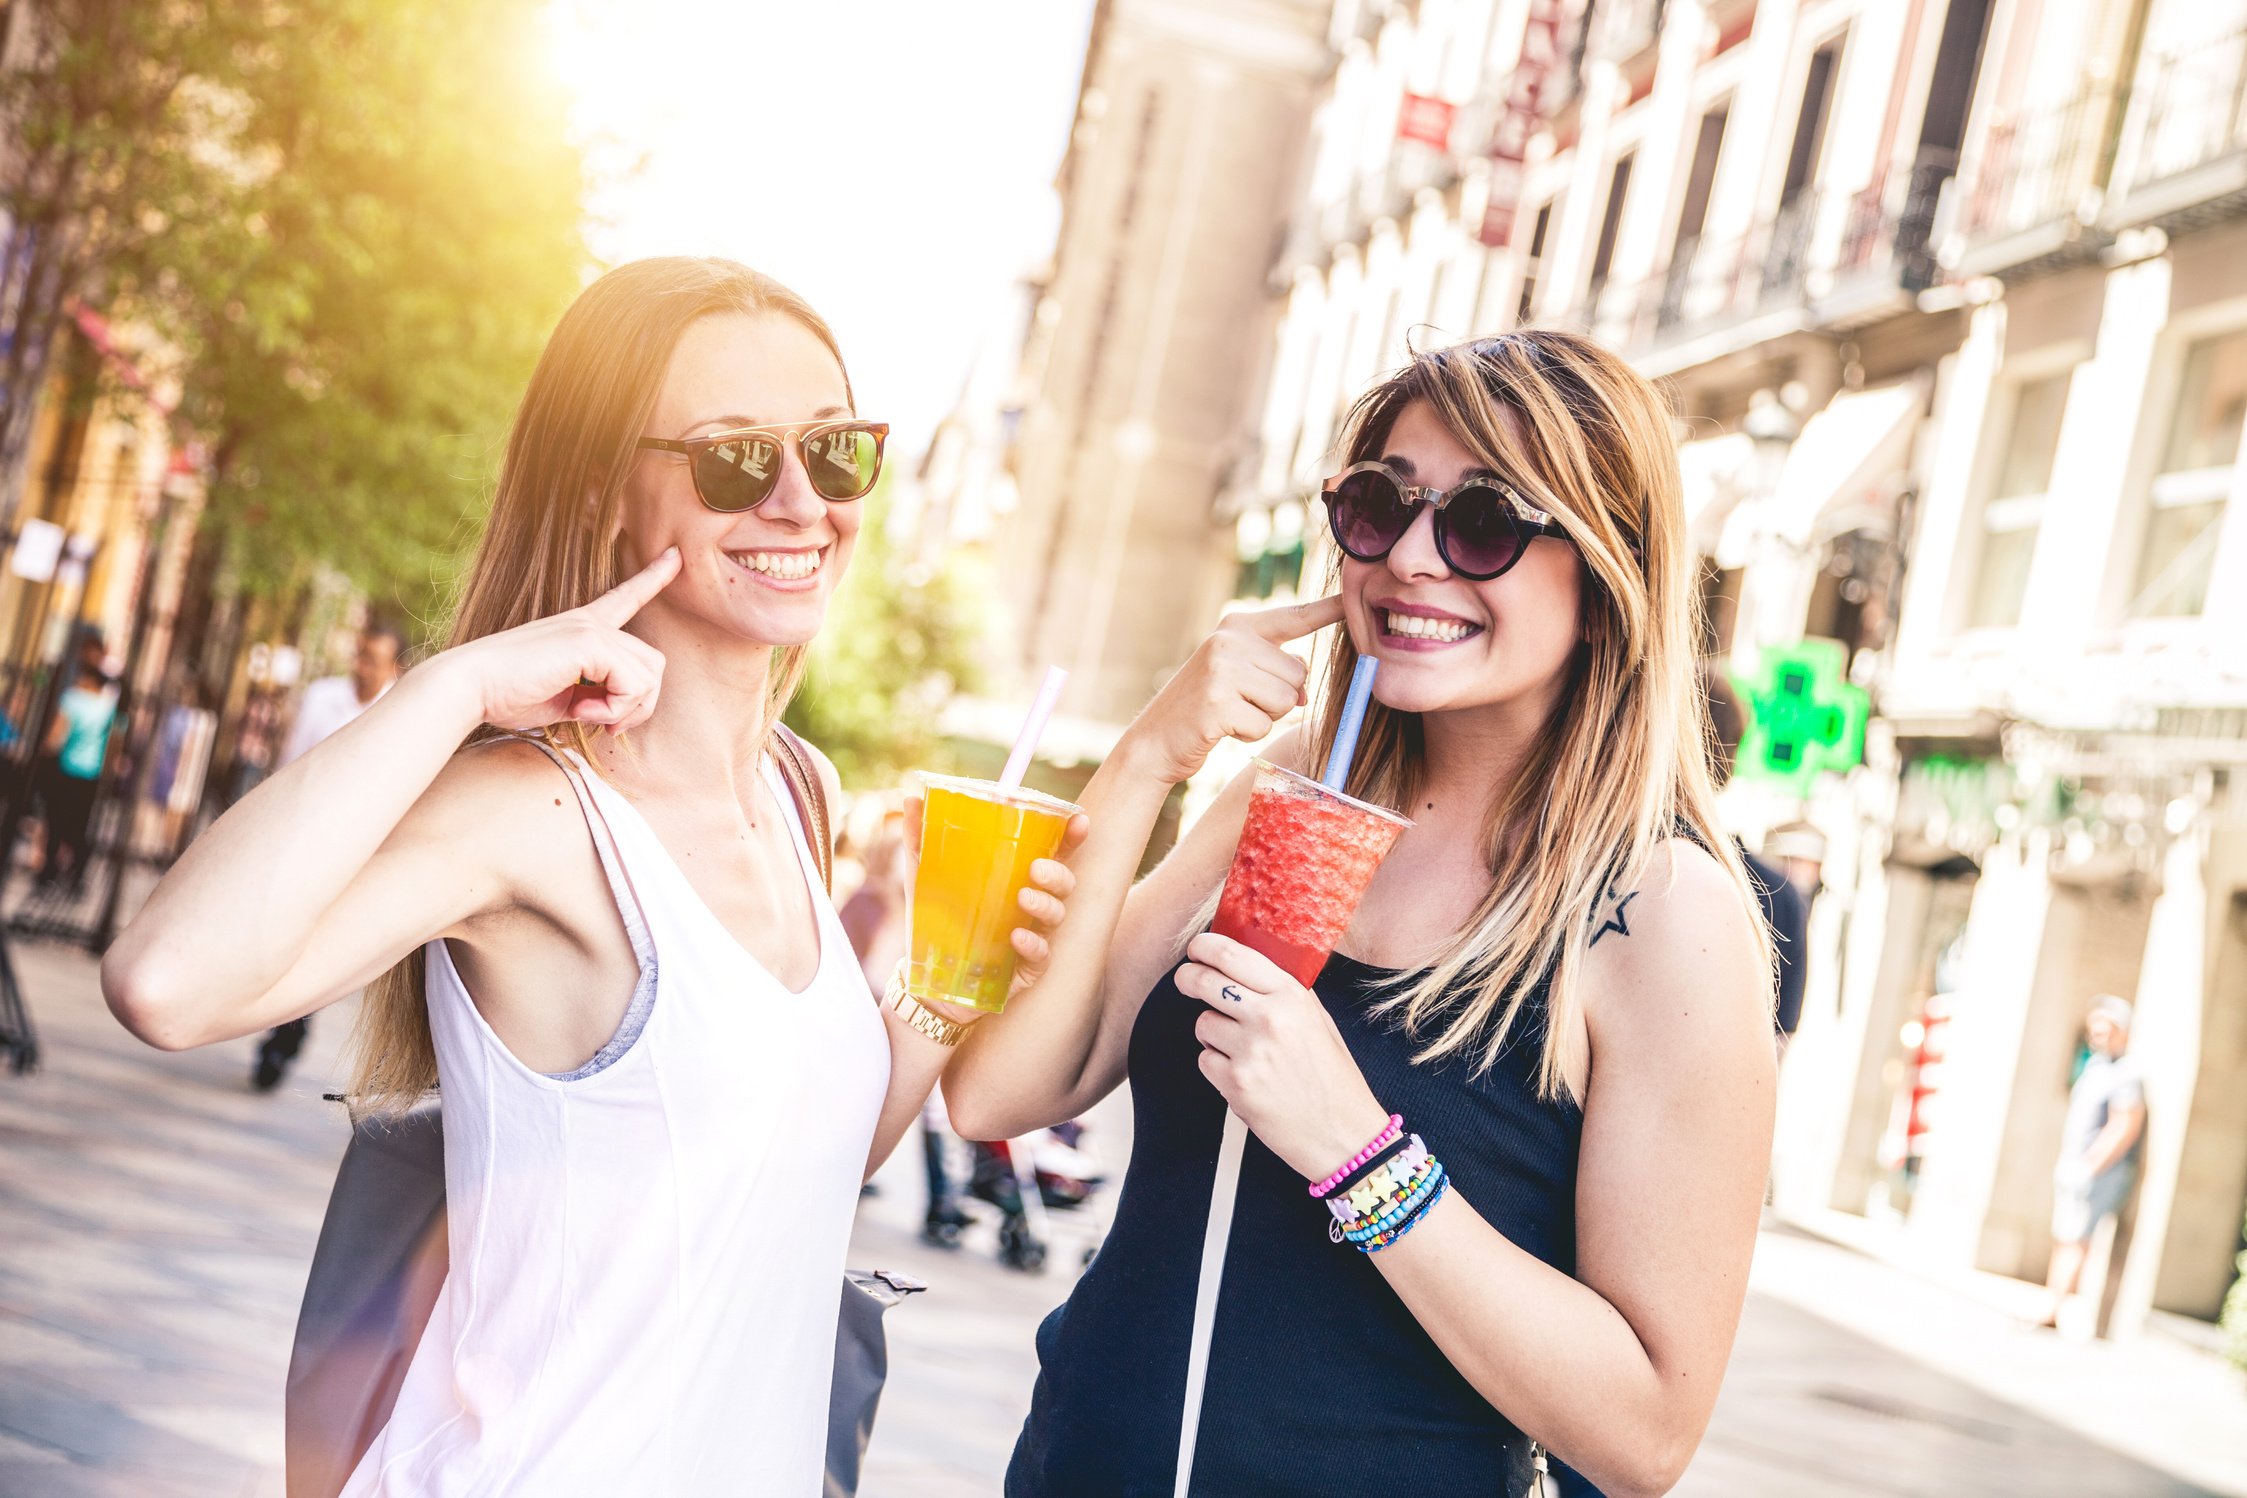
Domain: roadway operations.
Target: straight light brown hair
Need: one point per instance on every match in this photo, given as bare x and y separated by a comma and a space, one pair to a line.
1624, 763
547, 546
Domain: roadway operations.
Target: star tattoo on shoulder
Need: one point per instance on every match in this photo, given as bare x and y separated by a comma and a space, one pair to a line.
1615, 920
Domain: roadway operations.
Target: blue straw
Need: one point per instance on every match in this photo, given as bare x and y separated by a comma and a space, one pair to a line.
1353, 720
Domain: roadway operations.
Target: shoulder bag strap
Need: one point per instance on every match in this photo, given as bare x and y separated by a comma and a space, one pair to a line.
796, 767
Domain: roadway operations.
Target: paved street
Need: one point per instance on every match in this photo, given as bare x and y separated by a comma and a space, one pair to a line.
156, 1218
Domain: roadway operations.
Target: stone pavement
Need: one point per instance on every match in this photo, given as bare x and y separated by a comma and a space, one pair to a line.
156, 1218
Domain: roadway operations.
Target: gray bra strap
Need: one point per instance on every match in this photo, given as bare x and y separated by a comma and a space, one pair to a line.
604, 844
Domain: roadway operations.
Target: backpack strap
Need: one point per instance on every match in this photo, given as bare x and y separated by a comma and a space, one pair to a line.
797, 768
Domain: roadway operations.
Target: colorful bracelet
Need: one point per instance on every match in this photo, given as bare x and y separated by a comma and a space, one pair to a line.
1381, 1157
1377, 1195
1381, 1141
1375, 1245
1394, 1175
1394, 1216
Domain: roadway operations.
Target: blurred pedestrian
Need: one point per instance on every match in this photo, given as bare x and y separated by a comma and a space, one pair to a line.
77, 746
2100, 1144
877, 914
377, 660
326, 706
580, 854
1785, 910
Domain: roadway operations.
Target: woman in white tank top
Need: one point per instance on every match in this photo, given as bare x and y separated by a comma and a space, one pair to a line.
601, 923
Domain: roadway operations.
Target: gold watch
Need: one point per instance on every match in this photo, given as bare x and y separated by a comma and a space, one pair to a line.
917, 1014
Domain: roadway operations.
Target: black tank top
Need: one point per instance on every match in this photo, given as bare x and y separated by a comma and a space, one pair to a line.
1320, 1381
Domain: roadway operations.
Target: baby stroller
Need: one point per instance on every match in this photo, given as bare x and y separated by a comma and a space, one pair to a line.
1024, 1179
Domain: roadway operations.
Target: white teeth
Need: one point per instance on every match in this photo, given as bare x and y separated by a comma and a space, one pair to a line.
788, 566
1415, 627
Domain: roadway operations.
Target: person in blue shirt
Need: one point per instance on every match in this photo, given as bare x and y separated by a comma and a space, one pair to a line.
77, 744
2101, 1142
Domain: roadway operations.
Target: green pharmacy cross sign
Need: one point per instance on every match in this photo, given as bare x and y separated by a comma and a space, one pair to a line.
1804, 716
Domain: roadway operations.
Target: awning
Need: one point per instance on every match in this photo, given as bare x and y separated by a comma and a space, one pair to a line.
1839, 473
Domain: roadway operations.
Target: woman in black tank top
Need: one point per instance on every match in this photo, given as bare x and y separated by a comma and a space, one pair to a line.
1556, 982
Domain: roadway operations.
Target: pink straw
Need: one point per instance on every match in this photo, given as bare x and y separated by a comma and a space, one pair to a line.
1026, 742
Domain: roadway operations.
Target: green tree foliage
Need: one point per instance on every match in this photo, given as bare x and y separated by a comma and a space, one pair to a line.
367, 223
899, 640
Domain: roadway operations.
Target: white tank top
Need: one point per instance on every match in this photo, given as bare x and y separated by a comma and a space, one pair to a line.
646, 1261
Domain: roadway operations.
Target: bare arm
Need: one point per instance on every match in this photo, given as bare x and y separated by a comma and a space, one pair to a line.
324, 875
1062, 1043
1616, 1369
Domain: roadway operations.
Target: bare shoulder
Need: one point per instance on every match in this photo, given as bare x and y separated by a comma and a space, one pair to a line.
1681, 941
508, 808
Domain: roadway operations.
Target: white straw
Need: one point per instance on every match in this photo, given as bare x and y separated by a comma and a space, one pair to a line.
1026, 742
1222, 1191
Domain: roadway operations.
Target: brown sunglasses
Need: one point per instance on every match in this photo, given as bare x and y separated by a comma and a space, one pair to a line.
737, 470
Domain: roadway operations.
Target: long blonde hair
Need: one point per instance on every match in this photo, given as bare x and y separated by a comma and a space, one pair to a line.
546, 547
1624, 762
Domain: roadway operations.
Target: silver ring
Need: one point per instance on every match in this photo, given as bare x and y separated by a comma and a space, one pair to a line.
1234, 994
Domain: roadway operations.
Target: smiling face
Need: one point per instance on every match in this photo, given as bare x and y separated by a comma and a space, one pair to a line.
1445, 643
763, 575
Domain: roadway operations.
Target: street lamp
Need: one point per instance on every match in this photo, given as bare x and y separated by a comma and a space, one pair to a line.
1773, 427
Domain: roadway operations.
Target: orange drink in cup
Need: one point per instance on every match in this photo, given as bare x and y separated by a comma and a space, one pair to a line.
978, 840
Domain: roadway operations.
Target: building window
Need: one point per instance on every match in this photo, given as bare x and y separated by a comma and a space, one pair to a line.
1538, 228
2185, 508
1610, 224
2015, 509
1810, 124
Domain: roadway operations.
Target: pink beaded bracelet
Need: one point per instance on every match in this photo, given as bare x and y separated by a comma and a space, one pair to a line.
1381, 1141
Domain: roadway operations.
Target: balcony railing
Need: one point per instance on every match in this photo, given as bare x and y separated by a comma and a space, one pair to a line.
1712, 282
2041, 167
1899, 239
2195, 102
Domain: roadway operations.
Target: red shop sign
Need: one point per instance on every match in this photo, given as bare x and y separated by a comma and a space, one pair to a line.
1426, 120
1509, 141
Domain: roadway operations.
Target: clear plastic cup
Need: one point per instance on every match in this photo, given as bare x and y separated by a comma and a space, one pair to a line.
1305, 857
978, 840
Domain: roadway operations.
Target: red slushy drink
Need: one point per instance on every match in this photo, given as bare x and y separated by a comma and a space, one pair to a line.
1306, 855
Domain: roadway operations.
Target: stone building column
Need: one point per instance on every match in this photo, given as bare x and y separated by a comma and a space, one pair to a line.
2191, 1042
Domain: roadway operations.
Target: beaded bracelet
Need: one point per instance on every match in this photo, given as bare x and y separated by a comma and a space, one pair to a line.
1381, 1210
1375, 1245
1385, 1186
1381, 1141
1395, 1216
1393, 1172
1381, 1157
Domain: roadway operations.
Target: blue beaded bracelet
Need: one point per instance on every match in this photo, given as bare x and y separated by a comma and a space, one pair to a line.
1388, 1206
1375, 1245
1387, 1222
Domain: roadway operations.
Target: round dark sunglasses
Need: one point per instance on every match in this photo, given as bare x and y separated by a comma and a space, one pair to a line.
737, 470
1482, 525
